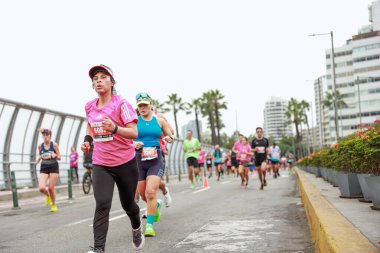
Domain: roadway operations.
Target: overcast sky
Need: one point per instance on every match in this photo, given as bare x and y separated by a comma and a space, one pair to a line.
249, 50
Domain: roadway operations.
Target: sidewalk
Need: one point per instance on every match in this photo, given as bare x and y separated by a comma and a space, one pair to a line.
337, 224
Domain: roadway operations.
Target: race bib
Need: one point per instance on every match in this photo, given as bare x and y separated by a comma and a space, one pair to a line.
99, 134
261, 150
208, 161
149, 154
243, 156
46, 155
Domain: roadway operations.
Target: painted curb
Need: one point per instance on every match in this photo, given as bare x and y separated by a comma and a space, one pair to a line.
330, 230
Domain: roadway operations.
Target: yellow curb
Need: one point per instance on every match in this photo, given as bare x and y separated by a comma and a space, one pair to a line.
330, 230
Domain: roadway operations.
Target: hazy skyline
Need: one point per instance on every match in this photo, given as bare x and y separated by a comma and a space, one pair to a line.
249, 50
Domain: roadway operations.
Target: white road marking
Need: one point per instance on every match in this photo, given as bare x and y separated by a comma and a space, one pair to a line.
226, 182
185, 191
91, 218
120, 216
201, 190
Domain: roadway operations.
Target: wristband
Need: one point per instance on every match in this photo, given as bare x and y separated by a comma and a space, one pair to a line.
89, 139
115, 129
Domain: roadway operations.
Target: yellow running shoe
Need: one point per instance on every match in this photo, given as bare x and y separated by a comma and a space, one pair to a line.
48, 201
54, 209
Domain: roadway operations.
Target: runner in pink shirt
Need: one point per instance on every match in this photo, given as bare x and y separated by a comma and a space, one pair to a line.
201, 162
112, 128
244, 153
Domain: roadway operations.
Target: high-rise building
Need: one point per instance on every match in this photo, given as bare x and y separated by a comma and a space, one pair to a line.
322, 131
275, 120
191, 125
357, 72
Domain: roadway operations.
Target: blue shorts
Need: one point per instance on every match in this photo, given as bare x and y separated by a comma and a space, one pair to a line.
152, 167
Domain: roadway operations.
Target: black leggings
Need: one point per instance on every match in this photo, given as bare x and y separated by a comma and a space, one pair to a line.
104, 178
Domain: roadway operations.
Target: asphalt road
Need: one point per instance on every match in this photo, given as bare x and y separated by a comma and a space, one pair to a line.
221, 218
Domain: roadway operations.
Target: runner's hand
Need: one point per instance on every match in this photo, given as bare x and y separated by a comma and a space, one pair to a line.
85, 147
138, 144
108, 124
168, 139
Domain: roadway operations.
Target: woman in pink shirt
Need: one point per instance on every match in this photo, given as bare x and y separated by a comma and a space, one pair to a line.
244, 152
112, 128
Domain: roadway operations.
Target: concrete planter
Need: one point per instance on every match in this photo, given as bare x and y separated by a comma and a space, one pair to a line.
335, 174
324, 173
364, 186
329, 175
349, 185
373, 183
318, 172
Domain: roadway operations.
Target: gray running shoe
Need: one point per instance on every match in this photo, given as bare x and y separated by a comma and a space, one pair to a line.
138, 238
95, 250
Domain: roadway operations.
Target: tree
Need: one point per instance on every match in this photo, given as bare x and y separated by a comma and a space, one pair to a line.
160, 107
295, 114
305, 106
207, 110
195, 105
219, 104
329, 101
176, 105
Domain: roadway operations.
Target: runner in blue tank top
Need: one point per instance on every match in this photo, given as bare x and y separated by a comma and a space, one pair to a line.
48, 155
149, 158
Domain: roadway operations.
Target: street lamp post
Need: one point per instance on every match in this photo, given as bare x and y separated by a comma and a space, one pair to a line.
334, 79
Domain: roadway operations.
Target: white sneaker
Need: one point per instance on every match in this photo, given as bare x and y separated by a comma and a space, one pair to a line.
167, 198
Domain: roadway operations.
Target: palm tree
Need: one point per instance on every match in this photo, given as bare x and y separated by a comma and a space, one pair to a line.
219, 104
176, 105
294, 114
329, 102
305, 106
195, 105
207, 110
160, 107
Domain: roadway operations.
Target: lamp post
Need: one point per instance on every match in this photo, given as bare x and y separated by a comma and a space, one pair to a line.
334, 79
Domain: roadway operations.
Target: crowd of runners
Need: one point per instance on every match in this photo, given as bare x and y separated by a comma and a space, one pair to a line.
127, 147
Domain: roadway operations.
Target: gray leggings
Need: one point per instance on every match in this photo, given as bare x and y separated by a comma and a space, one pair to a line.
104, 178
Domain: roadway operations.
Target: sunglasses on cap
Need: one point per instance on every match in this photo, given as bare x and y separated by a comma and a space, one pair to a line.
142, 95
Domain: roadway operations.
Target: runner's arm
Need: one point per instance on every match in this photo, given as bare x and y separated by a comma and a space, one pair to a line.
39, 154
57, 152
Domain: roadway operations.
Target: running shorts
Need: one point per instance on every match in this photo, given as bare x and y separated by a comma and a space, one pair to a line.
49, 168
152, 167
192, 161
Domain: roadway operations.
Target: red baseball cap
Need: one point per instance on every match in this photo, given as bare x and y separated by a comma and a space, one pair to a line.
100, 67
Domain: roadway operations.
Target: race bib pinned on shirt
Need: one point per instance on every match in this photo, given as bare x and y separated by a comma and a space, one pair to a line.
100, 135
261, 149
46, 155
149, 153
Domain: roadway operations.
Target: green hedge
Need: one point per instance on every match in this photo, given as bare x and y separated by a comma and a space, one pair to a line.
357, 153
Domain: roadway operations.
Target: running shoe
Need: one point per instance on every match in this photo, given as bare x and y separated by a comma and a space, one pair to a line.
48, 201
54, 209
158, 213
246, 185
192, 186
262, 187
167, 198
95, 250
149, 231
138, 238
197, 179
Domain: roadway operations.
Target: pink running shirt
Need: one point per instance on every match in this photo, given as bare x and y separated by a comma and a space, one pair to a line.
111, 150
201, 158
237, 146
244, 157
